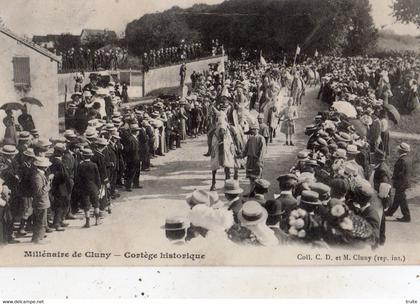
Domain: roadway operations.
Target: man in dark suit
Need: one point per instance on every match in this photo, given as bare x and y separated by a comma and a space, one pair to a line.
232, 190
89, 182
114, 165
401, 182
60, 188
132, 156
101, 161
365, 205
382, 186
287, 184
40, 187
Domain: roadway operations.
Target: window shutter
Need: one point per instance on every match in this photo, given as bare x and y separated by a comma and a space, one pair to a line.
21, 71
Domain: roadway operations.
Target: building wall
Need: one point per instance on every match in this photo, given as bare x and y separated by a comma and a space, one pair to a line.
44, 85
168, 76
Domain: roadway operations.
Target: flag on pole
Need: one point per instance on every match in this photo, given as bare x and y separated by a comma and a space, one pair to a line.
316, 53
297, 50
262, 61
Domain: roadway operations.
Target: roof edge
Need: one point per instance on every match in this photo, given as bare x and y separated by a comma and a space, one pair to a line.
29, 44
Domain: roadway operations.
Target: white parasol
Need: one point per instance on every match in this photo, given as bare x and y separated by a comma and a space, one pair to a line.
345, 108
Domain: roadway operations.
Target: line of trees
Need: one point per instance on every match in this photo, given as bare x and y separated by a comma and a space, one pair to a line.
338, 27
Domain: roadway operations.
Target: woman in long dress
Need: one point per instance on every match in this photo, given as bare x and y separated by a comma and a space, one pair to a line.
10, 135
288, 115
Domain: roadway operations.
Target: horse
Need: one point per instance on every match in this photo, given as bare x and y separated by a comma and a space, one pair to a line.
311, 76
225, 147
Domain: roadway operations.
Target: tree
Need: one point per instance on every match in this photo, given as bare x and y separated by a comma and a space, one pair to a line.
407, 11
272, 26
67, 41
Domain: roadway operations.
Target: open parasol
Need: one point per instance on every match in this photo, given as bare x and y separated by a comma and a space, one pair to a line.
32, 101
345, 108
11, 106
393, 113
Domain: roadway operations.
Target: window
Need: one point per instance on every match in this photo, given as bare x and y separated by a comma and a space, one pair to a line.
21, 72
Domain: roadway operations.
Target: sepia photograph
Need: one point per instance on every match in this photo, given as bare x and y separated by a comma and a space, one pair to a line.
209, 132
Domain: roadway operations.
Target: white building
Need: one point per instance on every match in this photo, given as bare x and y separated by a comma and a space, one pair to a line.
27, 69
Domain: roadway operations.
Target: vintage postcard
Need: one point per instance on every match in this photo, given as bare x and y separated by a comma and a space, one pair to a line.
209, 133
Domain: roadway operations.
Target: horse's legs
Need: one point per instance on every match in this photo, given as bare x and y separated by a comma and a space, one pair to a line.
227, 173
235, 173
213, 180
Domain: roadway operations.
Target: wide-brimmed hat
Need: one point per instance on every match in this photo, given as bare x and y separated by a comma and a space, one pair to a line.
42, 162
404, 147
101, 141
69, 133
262, 183
309, 197
175, 223
304, 154
198, 197
115, 134
60, 147
9, 150
134, 127
91, 133
44, 142
232, 187
289, 177
322, 189
340, 153
29, 153
352, 149
252, 213
34, 132
87, 152
24, 135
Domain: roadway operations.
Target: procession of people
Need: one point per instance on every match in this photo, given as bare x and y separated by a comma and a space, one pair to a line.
338, 193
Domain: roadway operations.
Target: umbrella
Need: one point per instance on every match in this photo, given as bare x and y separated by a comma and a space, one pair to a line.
359, 126
346, 108
32, 101
394, 115
11, 106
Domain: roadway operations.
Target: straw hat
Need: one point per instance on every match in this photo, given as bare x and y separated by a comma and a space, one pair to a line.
29, 153
198, 197
403, 147
9, 150
232, 187
42, 162
252, 213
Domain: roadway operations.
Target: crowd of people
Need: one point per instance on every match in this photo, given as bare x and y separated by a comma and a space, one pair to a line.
87, 59
337, 193
181, 53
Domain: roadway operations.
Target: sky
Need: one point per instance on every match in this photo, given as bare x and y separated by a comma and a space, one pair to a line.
40, 17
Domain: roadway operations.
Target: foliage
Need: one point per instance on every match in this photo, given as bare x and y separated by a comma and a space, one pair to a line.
273, 26
67, 41
407, 11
